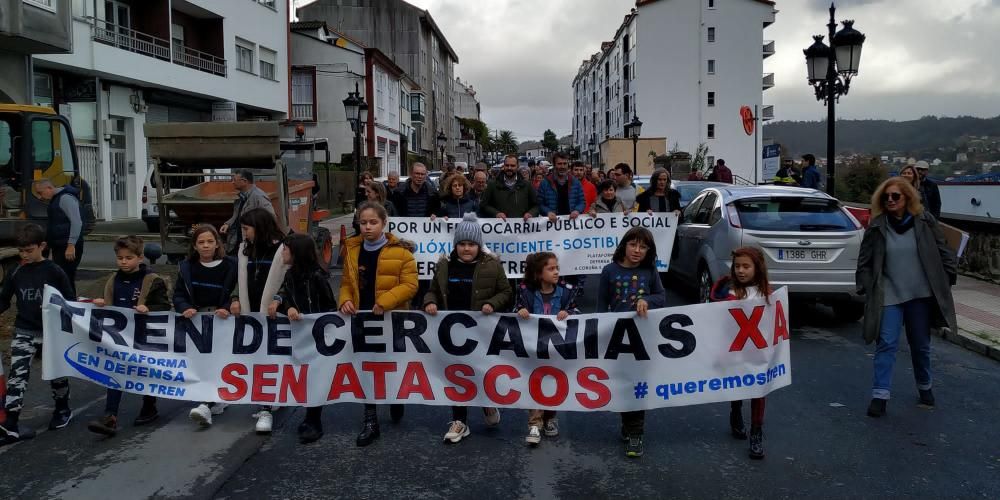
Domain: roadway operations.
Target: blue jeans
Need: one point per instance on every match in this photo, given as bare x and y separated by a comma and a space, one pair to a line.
916, 314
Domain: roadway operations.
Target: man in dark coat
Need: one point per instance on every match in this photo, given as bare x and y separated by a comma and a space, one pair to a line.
929, 189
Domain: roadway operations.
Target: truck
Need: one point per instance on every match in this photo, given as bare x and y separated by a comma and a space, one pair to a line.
209, 153
35, 143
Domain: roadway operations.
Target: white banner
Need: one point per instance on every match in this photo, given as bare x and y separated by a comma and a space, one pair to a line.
583, 245
593, 362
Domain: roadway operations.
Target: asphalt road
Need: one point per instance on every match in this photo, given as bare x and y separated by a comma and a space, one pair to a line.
818, 441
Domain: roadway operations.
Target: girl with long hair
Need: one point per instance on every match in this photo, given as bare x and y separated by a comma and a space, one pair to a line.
747, 279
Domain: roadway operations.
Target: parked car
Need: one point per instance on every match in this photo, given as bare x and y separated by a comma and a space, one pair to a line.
690, 189
810, 241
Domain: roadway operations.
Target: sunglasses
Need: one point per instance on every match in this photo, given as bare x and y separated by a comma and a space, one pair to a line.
891, 196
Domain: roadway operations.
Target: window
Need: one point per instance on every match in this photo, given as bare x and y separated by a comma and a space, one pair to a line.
177, 41
266, 3
711, 66
48, 138
45, 4
793, 214
711, 4
43, 89
711, 131
267, 62
244, 55
711, 99
304, 94
711, 34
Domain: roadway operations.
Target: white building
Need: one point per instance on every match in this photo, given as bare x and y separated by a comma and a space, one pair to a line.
326, 66
466, 106
694, 63
141, 61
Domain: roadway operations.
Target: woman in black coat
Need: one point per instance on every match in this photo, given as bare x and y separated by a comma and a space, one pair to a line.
660, 197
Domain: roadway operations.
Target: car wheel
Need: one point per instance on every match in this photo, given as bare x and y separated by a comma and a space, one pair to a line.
848, 310
704, 285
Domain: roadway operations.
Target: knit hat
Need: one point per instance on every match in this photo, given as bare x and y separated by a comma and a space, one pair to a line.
469, 230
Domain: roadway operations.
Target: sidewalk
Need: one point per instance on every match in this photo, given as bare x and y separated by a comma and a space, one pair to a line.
977, 304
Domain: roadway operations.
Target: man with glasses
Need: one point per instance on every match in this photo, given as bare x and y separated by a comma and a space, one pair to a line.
417, 197
561, 193
509, 195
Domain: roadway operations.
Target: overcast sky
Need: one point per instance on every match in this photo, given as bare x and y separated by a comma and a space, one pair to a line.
922, 57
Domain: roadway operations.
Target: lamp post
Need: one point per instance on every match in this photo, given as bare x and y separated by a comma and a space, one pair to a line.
590, 150
633, 129
441, 141
830, 71
356, 110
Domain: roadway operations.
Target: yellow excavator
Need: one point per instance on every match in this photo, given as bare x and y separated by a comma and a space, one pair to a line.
35, 143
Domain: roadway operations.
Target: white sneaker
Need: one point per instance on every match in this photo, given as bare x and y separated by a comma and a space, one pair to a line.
201, 414
456, 431
552, 428
492, 416
264, 421
534, 436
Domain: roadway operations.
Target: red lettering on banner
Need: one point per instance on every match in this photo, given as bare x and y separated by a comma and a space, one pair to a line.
293, 383
232, 374
780, 326
454, 375
345, 380
490, 384
415, 380
588, 378
378, 370
749, 329
535, 386
261, 381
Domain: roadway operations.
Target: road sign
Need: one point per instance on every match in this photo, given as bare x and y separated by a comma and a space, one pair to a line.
749, 122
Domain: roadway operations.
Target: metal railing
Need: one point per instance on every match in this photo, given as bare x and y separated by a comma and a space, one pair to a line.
768, 48
126, 38
90, 171
768, 80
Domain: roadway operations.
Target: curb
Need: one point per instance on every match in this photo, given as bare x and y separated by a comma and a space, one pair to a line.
971, 342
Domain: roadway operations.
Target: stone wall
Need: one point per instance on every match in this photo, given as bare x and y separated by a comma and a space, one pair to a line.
982, 253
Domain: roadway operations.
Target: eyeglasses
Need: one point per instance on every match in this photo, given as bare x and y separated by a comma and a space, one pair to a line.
891, 196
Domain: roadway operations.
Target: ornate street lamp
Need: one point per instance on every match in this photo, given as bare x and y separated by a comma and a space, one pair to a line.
356, 111
830, 69
442, 140
633, 129
590, 150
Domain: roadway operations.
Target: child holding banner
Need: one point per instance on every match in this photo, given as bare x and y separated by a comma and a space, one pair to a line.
205, 283
27, 283
380, 275
468, 280
306, 290
747, 280
543, 293
133, 286
260, 273
630, 283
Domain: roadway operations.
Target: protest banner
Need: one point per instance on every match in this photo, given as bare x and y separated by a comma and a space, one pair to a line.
593, 362
583, 245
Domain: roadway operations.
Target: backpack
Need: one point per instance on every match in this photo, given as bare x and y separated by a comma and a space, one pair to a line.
87, 214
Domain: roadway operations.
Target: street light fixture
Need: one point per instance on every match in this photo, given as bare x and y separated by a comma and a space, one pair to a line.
441, 141
633, 129
830, 70
356, 110
590, 150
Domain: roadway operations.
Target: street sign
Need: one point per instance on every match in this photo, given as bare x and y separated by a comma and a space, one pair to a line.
771, 159
746, 115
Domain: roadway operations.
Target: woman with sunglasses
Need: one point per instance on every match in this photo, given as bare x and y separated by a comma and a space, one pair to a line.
905, 271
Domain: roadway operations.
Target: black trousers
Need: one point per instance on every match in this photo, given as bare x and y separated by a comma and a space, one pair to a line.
68, 267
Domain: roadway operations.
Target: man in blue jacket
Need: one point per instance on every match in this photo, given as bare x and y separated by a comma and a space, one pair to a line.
810, 174
561, 193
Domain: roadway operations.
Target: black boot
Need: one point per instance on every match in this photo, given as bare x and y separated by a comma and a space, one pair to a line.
756, 443
148, 413
876, 408
926, 398
310, 431
369, 431
736, 425
396, 413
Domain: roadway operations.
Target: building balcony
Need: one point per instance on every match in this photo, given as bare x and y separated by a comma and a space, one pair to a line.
126, 38
34, 28
767, 112
768, 48
768, 80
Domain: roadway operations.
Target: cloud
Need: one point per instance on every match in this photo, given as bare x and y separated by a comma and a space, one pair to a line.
921, 56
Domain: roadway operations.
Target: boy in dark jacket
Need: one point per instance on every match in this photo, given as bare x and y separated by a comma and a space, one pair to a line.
132, 286
468, 280
27, 283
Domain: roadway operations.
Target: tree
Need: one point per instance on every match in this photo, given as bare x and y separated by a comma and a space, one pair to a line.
698, 162
549, 140
506, 142
480, 133
860, 179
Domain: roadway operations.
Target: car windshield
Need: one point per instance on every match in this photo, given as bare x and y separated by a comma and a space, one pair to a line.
793, 214
688, 191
